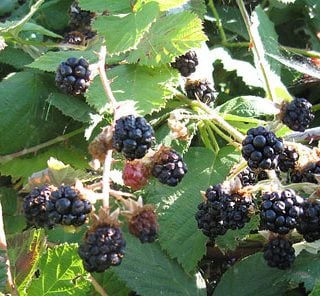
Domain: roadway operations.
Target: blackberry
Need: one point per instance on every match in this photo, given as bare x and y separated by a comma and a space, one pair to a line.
169, 167
199, 90
281, 211
287, 159
247, 177
132, 136
297, 114
103, 247
35, 207
67, 208
136, 174
279, 253
309, 225
186, 64
210, 212
79, 18
261, 148
143, 224
307, 174
73, 76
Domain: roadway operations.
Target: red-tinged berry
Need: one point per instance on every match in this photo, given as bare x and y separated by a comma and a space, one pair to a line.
136, 174
186, 64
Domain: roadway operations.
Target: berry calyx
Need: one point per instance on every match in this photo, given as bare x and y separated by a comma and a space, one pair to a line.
169, 167
136, 174
73, 76
297, 114
199, 90
186, 64
103, 247
132, 136
261, 148
143, 224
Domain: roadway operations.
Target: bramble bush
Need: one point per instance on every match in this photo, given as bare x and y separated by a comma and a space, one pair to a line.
156, 147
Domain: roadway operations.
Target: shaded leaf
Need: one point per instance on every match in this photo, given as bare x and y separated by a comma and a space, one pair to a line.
39, 29
14, 57
111, 6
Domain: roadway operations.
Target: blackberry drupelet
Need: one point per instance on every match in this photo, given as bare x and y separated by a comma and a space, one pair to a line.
35, 207
261, 148
281, 211
247, 177
67, 208
287, 159
143, 224
279, 253
309, 225
297, 114
103, 247
132, 136
169, 167
199, 90
73, 76
186, 64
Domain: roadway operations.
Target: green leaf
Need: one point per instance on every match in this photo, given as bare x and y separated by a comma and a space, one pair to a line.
164, 4
61, 273
24, 251
123, 33
129, 83
179, 234
23, 112
158, 272
198, 7
8, 198
111, 6
248, 106
51, 60
39, 29
245, 70
71, 106
161, 44
315, 291
3, 270
14, 57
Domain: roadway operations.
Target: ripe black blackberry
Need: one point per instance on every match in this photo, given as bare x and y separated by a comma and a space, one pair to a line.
281, 211
261, 148
247, 177
307, 174
279, 253
67, 208
186, 64
210, 212
79, 18
297, 114
288, 159
35, 207
309, 225
132, 136
169, 167
199, 90
143, 224
73, 76
103, 247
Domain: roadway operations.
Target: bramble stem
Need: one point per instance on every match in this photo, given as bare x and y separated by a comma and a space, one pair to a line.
97, 286
106, 179
218, 21
311, 134
8, 157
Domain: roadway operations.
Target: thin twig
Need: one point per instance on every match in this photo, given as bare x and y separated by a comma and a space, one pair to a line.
5, 158
218, 21
97, 286
309, 135
106, 179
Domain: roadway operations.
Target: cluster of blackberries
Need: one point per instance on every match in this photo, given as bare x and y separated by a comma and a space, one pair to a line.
297, 114
73, 76
249, 177
199, 90
186, 64
132, 136
169, 167
103, 247
46, 207
222, 211
143, 224
281, 211
261, 148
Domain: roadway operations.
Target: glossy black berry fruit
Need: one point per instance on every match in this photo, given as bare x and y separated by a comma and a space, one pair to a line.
35, 207
288, 159
309, 225
169, 167
297, 114
247, 177
279, 253
281, 211
307, 174
132, 136
261, 148
73, 76
143, 224
79, 18
199, 90
186, 64
103, 247
67, 208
